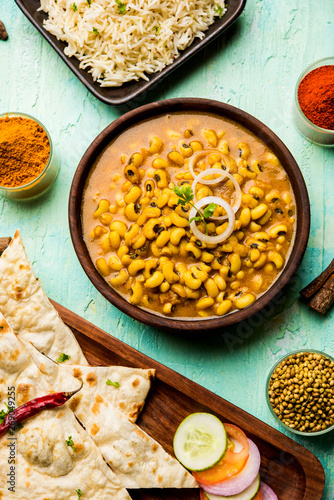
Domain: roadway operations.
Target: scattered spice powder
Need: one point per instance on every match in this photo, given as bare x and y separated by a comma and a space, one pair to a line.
316, 96
24, 150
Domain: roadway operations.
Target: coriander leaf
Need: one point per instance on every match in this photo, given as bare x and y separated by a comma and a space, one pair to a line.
157, 29
78, 492
70, 443
115, 384
89, 2
95, 31
220, 11
1, 327
121, 6
63, 357
3, 415
74, 7
208, 211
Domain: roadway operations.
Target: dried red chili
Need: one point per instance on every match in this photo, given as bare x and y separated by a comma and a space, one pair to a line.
34, 407
316, 96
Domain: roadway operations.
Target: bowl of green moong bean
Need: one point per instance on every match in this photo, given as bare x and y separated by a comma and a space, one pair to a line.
300, 392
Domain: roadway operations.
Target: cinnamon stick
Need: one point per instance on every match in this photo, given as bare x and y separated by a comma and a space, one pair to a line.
4, 242
319, 294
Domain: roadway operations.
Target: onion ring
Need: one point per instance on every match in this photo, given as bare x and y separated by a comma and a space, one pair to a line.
267, 493
216, 171
230, 214
203, 152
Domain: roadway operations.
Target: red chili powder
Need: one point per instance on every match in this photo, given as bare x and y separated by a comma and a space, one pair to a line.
316, 96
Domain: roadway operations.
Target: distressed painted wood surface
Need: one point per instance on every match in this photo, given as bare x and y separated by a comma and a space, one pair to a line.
253, 66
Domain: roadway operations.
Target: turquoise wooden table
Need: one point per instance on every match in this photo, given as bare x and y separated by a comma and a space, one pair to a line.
254, 66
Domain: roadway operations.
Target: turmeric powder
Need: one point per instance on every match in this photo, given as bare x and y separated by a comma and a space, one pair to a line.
24, 151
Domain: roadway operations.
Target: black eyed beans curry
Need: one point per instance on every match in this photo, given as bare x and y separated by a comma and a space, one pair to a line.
138, 235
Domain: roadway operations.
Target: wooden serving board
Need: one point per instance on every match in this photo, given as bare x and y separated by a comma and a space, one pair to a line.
292, 471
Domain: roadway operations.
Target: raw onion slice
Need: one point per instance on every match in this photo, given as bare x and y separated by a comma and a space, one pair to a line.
199, 154
205, 237
242, 480
247, 494
222, 174
267, 493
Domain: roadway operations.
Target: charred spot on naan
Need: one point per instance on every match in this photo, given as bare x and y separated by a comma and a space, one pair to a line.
94, 429
91, 379
74, 402
137, 408
77, 373
23, 395
135, 382
96, 406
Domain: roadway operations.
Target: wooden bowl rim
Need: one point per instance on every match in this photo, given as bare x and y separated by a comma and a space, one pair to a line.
189, 105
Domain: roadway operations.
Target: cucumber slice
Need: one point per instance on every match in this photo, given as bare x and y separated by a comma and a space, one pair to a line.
200, 441
247, 494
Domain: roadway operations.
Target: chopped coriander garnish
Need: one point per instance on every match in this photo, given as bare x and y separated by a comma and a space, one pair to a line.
115, 384
78, 492
63, 357
121, 6
74, 7
95, 31
220, 11
157, 29
3, 413
89, 2
70, 443
186, 195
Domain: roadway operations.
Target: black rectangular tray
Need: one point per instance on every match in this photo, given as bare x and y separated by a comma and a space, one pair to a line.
131, 90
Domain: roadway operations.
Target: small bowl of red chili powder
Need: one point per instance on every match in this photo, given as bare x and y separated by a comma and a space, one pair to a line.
27, 162
313, 110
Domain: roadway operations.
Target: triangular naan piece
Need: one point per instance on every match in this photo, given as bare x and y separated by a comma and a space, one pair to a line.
27, 309
46, 467
137, 459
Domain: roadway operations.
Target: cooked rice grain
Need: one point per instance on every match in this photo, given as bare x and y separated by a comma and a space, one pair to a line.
117, 48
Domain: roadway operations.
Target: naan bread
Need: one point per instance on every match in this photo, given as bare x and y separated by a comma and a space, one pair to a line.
27, 309
137, 459
46, 468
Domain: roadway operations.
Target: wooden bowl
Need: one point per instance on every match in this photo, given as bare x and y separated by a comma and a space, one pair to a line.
189, 105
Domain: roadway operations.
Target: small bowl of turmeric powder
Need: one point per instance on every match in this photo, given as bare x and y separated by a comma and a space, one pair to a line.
27, 164
313, 108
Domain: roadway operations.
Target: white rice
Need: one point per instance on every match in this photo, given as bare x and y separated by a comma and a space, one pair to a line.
146, 38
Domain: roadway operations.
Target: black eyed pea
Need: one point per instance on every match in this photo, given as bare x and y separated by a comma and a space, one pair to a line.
130, 212
211, 287
276, 259
196, 146
145, 301
235, 285
262, 236
120, 227
185, 150
126, 186
97, 232
113, 209
244, 150
136, 160
159, 163
281, 240
256, 166
227, 247
188, 133
114, 263
254, 254
192, 294
164, 287
176, 158
132, 174
248, 200
148, 213
245, 217
136, 293
131, 234
183, 211
260, 262
256, 192
272, 196
155, 145
114, 239
223, 307
136, 266
138, 242
278, 230
168, 271
163, 239
245, 300
173, 248
177, 220
254, 227
214, 158
268, 268
155, 280
120, 279
235, 263
104, 243
259, 211
179, 290
204, 303
203, 267
247, 173
182, 246
191, 281
224, 271
162, 200
149, 188
271, 158
126, 260
265, 218
102, 266
286, 197
207, 257
194, 251
106, 219
162, 178
150, 228
176, 234
150, 266
220, 282
103, 207
211, 137
198, 273
257, 282
167, 308
133, 195
144, 202
123, 250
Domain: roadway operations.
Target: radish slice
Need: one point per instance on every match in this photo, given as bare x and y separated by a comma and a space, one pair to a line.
241, 481
246, 494
222, 174
267, 493
205, 237
205, 152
